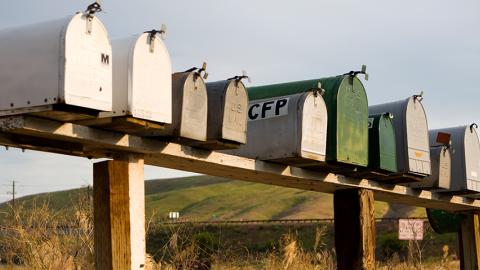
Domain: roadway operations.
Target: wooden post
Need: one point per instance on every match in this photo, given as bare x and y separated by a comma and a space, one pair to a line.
469, 237
354, 229
119, 214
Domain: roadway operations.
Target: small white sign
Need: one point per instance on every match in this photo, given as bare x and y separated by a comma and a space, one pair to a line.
259, 110
410, 229
173, 215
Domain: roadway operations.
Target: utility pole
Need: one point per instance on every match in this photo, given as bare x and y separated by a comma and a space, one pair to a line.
13, 196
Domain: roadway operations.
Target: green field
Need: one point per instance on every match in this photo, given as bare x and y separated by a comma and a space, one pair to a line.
214, 198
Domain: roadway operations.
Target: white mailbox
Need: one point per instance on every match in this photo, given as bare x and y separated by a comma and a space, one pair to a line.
290, 130
411, 133
227, 114
190, 108
465, 152
142, 78
59, 69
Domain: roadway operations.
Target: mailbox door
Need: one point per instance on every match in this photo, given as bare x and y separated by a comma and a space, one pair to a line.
314, 127
444, 168
150, 95
87, 65
234, 126
387, 156
472, 159
417, 138
351, 132
193, 123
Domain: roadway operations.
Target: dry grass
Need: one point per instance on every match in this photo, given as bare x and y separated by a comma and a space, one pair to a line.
41, 238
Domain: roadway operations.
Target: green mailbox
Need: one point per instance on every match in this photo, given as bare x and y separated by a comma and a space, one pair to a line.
347, 107
443, 221
381, 144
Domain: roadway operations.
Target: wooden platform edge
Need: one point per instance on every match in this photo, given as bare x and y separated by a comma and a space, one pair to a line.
97, 143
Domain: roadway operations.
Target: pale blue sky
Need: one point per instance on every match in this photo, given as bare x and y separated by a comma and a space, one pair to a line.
408, 46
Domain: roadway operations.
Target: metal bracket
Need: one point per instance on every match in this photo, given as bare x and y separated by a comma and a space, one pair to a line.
199, 71
318, 90
388, 115
355, 73
473, 125
152, 35
239, 78
418, 97
90, 12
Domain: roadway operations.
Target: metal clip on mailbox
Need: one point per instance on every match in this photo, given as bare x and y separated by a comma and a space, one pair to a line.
465, 155
142, 86
190, 107
58, 69
347, 106
382, 159
441, 159
411, 133
227, 114
290, 130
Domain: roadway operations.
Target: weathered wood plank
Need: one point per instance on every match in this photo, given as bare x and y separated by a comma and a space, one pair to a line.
119, 214
354, 229
101, 143
469, 238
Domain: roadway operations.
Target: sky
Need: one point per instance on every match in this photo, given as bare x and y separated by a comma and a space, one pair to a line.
408, 46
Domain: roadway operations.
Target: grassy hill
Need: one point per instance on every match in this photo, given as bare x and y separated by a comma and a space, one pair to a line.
214, 198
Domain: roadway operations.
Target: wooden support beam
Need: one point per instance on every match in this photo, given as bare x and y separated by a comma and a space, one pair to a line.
100, 143
119, 214
469, 238
354, 213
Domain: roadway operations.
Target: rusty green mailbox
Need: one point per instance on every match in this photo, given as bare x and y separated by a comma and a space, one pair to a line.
443, 221
381, 143
347, 107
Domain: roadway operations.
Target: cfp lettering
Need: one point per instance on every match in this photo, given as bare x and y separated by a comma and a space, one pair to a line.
268, 109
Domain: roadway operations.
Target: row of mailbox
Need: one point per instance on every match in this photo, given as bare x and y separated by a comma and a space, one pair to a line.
68, 70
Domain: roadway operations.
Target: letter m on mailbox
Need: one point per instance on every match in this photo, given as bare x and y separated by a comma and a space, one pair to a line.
105, 58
